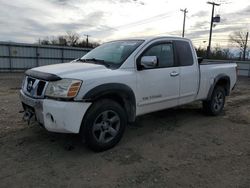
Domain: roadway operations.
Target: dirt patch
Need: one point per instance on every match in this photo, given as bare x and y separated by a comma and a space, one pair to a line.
149, 177
124, 156
238, 110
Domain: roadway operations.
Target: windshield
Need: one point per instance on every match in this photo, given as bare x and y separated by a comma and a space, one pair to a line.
113, 53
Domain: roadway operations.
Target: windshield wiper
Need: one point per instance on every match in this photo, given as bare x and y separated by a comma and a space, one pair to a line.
79, 59
95, 61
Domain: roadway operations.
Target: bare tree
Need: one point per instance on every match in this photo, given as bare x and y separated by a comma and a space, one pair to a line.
239, 38
72, 38
216, 53
62, 41
69, 39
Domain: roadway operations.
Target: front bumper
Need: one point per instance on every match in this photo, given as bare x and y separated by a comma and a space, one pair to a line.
57, 116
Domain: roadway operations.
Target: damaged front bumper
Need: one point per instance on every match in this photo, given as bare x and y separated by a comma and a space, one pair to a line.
32, 107
56, 116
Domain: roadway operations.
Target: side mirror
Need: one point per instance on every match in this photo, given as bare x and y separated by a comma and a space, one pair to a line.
149, 61
200, 59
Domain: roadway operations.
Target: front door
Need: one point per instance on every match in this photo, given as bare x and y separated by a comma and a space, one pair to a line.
158, 87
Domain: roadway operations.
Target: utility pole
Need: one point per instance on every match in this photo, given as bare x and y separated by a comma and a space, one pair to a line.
184, 21
245, 48
211, 27
87, 40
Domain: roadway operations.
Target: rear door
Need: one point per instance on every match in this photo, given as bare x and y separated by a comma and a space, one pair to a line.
189, 71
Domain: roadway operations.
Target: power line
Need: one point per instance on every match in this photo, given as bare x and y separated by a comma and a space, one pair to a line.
140, 22
231, 23
144, 21
213, 38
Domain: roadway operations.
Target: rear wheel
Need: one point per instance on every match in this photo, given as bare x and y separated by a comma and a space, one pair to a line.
216, 104
104, 125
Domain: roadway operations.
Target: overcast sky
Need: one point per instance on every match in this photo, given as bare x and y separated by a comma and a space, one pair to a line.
29, 20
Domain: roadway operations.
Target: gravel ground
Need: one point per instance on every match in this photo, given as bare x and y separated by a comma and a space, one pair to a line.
178, 147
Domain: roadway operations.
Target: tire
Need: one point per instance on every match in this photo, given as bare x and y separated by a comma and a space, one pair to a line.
216, 104
103, 125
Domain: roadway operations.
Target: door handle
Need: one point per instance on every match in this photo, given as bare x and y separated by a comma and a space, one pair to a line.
174, 73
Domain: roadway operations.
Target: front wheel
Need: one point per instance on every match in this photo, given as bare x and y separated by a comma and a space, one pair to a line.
216, 104
104, 125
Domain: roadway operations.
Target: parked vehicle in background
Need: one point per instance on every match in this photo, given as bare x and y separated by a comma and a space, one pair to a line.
98, 94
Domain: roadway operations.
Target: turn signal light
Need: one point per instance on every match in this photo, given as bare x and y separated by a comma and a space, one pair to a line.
73, 90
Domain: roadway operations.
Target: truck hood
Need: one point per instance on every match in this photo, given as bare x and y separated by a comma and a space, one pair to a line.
69, 69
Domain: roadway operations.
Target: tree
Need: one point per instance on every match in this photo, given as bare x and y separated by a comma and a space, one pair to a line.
239, 38
216, 53
201, 52
44, 41
69, 39
62, 41
72, 38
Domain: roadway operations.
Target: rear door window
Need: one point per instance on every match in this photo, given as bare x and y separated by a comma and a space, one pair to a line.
184, 53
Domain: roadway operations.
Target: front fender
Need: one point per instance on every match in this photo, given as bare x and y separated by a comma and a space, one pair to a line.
123, 91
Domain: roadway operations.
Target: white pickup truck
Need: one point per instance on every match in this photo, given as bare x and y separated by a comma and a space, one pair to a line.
98, 94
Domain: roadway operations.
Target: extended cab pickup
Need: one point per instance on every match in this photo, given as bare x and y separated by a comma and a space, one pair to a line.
98, 94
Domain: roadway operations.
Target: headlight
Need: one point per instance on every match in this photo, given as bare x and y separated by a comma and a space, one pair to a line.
65, 88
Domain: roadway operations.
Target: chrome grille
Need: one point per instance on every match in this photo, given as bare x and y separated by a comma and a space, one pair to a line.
34, 87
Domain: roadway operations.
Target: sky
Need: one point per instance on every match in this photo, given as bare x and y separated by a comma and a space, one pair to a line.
28, 20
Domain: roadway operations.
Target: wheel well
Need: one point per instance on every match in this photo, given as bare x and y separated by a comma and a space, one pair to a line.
220, 80
120, 93
124, 101
114, 97
225, 83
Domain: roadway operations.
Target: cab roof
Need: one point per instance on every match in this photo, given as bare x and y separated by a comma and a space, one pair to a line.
150, 38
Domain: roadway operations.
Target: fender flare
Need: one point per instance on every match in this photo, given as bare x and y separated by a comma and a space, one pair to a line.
123, 91
216, 80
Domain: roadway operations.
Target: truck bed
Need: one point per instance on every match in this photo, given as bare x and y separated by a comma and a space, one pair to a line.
209, 70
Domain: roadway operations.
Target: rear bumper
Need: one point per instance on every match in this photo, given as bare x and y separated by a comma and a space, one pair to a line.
57, 116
